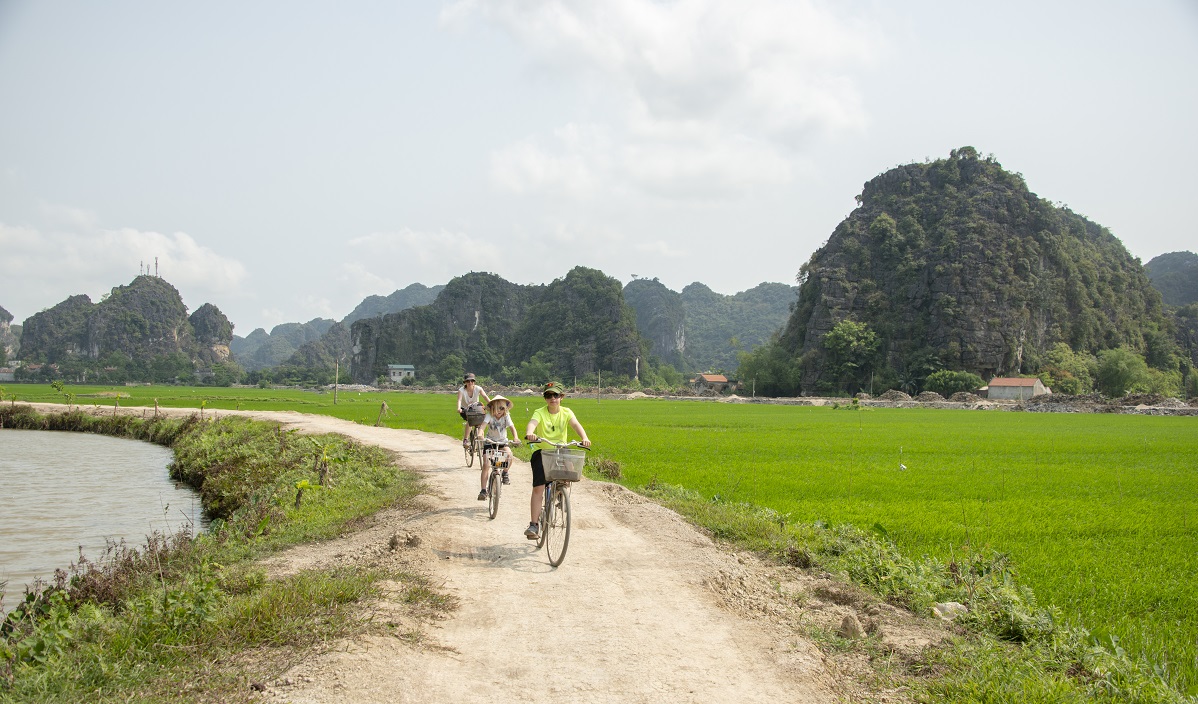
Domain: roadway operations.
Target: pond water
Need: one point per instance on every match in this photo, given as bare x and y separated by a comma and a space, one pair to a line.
60, 492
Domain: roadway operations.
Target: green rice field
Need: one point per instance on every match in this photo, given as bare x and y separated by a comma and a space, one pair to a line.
1099, 512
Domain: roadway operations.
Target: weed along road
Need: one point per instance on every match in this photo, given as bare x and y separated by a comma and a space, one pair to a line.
644, 608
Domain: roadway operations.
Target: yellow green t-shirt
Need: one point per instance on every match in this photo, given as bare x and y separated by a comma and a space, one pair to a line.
552, 426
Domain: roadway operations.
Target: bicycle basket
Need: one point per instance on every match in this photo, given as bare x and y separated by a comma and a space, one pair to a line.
475, 418
563, 464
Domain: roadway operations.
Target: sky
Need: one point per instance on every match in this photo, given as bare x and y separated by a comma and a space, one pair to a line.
283, 161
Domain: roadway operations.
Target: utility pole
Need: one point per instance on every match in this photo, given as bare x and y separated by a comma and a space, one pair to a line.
336, 378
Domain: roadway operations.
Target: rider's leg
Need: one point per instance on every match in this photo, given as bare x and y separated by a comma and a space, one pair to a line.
538, 487
538, 497
482, 479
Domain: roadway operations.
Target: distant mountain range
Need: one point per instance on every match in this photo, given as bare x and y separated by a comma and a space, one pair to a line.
261, 349
950, 265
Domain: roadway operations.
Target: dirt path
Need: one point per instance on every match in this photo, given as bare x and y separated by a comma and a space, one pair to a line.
644, 608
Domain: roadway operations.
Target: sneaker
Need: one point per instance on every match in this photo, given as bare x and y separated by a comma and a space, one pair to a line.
506, 478
532, 532
482, 495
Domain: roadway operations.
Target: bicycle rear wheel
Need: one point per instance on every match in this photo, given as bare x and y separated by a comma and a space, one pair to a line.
557, 527
494, 486
471, 449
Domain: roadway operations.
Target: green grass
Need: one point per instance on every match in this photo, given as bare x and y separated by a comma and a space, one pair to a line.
155, 622
1096, 511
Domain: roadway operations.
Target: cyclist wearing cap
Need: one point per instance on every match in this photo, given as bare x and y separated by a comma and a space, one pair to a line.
551, 422
497, 423
468, 398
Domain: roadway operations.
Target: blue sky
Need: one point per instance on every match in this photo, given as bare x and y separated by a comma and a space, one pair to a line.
285, 160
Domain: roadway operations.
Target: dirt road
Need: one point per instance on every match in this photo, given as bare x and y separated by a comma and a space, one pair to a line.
644, 608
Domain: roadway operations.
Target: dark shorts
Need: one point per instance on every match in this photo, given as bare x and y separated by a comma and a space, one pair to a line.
538, 469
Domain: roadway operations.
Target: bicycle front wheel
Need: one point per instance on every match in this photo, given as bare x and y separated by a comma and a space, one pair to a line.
557, 527
494, 486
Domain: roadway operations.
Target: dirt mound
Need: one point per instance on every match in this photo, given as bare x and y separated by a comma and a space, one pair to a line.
1148, 400
964, 397
929, 397
895, 395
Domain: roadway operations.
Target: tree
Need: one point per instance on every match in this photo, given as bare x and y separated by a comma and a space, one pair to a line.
1068, 372
452, 367
1121, 371
769, 370
851, 348
947, 383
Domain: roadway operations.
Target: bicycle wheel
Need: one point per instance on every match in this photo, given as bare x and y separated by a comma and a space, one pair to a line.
494, 486
471, 449
557, 527
545, 516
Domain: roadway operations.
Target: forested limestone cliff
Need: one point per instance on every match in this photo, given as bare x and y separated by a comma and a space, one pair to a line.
955, 264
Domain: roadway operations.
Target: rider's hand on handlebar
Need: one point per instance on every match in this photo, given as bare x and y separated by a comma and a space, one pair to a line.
585, 443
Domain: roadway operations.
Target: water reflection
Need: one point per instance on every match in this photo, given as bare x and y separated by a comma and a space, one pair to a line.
60, 491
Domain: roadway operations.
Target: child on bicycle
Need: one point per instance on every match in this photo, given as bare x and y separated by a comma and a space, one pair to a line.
497, 423
551, 422
468, 399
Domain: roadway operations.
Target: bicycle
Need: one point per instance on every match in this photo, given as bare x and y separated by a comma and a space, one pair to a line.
563, 465
494, 454
474, 418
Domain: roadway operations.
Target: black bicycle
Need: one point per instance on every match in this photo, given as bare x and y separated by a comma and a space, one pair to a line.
563, 465
474, 417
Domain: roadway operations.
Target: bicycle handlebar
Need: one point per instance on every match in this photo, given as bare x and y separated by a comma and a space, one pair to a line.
572, 443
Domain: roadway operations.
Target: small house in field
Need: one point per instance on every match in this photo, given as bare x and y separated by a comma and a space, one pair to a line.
1015, 389
398, 372
711, 382
7, 374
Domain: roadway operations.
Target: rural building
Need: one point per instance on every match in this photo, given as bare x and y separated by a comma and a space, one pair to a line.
711, 382
1015, 389
7, 374
398, 372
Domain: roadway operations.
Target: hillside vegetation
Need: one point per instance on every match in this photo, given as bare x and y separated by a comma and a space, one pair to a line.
578, 325
141, 331
9, 338
701, 330
1175, 275
955, 265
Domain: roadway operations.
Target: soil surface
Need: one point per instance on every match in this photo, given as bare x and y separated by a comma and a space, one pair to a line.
645, 608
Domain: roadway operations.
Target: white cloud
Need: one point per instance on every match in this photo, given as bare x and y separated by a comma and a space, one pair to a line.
707, 98
90, 261
433, 256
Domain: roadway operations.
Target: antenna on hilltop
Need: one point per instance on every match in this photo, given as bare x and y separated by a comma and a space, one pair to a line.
155, 267
140, 268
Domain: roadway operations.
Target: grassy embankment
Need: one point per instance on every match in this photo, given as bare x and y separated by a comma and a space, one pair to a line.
1095, 513
186, 618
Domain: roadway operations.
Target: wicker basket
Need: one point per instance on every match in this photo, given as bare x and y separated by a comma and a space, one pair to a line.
563, 464
475, 418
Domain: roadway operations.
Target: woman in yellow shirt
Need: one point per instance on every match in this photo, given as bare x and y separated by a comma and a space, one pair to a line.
550, 422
